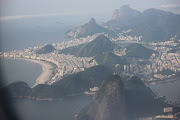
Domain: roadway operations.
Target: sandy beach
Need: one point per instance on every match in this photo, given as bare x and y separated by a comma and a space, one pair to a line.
47, 70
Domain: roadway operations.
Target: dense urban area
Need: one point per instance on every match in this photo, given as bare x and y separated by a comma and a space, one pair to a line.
160, 60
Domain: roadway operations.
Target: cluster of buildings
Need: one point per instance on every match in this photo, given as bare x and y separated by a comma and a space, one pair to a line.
69, 64
75, 42
121, 37
167, 60
163, 59
65, 64
151, 67
169, 43
169, 113
159, 61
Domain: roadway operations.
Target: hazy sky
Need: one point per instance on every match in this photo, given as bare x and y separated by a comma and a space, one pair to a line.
19, 9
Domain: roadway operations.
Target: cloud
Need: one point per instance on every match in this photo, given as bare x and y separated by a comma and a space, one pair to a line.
170, 6
175, 8
5, 18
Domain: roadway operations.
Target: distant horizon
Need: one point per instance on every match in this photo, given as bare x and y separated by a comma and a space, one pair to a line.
23, 9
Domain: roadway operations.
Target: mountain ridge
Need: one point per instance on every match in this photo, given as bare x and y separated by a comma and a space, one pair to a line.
153, 25
100, 44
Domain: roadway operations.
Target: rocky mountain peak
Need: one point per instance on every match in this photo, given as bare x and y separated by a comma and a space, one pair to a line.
125, 11
92, 21
109, 103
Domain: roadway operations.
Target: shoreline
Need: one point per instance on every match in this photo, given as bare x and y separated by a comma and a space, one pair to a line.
169, 80
47, 68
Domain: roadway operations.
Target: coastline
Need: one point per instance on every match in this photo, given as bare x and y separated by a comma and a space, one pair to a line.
47, 73
169, 80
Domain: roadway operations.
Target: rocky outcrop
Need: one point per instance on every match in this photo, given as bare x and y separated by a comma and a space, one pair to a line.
125, 12
109, 101
87, 29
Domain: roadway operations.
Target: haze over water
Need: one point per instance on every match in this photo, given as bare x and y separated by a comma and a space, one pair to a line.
21, 34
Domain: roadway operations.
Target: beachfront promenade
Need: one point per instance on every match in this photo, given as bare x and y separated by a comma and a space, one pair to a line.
55, 65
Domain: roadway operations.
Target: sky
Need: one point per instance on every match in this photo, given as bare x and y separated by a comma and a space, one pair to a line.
21, 9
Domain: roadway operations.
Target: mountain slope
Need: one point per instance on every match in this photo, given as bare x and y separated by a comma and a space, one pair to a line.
125, 12
99, 45
80, 82
17, 89
138, 51
120, 98
153, 25
162, 25
41, 91
140, 99
87, 29
109, 101
110, 60
45, 49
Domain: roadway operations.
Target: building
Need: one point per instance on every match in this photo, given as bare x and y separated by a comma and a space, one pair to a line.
94, 89
164, 117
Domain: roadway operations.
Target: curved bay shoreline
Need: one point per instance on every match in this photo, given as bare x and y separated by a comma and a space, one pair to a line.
47, 67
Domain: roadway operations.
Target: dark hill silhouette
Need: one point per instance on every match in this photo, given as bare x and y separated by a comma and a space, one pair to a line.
45, 49
138, 51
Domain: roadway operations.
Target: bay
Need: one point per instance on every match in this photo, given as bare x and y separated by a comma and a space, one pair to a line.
63, 109
20, 70
169, 89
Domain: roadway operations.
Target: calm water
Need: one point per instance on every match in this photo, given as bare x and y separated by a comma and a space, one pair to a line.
170, 89
59, 110
21, 34
20, 70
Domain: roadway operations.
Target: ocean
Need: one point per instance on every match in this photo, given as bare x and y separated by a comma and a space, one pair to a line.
20, 70
168, 89
21, 34
63, 109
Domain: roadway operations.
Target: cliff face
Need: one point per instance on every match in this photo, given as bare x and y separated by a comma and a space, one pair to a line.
125, 12
109, 101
